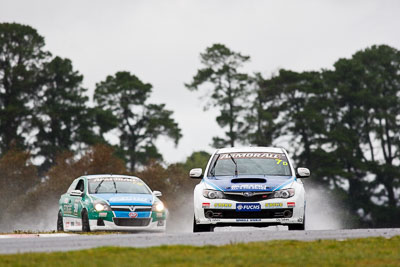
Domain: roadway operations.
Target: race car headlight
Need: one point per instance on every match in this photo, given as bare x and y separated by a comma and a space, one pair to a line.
101, 206
158, 206
213, 194
284, 193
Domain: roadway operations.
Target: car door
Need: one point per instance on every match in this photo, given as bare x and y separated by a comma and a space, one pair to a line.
67, 201
77, 200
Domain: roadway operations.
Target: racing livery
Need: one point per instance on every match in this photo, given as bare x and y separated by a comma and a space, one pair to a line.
249, 186
110, 202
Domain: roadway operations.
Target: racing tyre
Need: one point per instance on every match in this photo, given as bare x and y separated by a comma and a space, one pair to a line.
202, 227
60, 224
296, 227
299, 227
85, 221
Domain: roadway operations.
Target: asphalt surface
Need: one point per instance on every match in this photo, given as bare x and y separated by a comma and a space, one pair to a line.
48, 243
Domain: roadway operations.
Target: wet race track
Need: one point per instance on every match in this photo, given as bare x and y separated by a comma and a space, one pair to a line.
64, 242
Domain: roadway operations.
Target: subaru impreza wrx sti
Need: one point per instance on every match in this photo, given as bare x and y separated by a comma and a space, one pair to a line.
250, 186
110, 202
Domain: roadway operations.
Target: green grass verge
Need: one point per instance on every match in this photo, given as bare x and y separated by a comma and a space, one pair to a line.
355, 252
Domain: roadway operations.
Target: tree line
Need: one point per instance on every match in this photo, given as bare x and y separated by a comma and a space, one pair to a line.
44, 107
343, 123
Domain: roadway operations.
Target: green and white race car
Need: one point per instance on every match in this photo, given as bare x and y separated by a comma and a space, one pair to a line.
110, 202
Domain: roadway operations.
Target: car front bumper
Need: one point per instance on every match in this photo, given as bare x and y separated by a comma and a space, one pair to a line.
273, 212
159, 225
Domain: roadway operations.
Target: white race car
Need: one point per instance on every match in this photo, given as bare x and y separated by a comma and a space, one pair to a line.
249, 186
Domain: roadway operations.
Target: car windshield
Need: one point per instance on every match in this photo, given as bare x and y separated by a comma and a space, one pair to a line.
249, 163
117, 185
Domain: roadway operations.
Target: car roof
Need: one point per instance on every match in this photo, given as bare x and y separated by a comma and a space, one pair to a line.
250, 149
94, 176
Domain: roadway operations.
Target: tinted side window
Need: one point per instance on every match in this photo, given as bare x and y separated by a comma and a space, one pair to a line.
80, 186
72, 186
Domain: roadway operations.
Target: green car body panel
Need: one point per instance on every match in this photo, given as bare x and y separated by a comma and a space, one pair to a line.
122, 211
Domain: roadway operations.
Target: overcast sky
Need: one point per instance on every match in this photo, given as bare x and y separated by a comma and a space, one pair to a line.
160, 42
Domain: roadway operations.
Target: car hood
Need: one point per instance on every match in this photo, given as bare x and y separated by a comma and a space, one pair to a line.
126, 199
248, 183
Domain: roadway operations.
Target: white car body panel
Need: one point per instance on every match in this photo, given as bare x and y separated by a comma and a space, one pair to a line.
268, 204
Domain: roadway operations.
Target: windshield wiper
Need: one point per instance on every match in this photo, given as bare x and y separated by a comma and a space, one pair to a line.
234, 161
115, 186
98, 186
213, 167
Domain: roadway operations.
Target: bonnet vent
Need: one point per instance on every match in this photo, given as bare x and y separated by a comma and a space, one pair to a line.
248, 180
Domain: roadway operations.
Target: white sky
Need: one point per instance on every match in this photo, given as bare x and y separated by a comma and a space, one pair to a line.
160, 42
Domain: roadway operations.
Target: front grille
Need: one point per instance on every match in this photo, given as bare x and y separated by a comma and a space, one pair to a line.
131, 221
233, 214
241, 198
127, 208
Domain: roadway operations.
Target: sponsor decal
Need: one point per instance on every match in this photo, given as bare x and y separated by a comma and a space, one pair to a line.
205, 205
68, 209
282, 219
248, 207
66, 200
222, 205
273, 205
250, 155
133, 214
140, 199
103, 214
117, 179
291, 204
249, 187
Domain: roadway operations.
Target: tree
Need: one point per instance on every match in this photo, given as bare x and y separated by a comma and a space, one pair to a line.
62, 115
122, 98
366, 130
344, 125
229, 87
21, 59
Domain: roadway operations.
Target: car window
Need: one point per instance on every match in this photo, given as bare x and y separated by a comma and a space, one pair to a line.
122, 185
80, 186
72, 186
274, 164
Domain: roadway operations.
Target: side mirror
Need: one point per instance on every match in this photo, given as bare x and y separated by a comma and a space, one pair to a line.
157, 193
76, 193
196, 173
303, 172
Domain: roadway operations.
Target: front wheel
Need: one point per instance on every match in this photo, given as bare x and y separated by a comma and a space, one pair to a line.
60, 224
85, 221
202, 227
298, 227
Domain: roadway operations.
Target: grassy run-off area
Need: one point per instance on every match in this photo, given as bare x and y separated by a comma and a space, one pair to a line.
355, 252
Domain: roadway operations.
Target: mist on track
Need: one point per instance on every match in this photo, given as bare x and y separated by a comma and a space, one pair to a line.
323, 212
